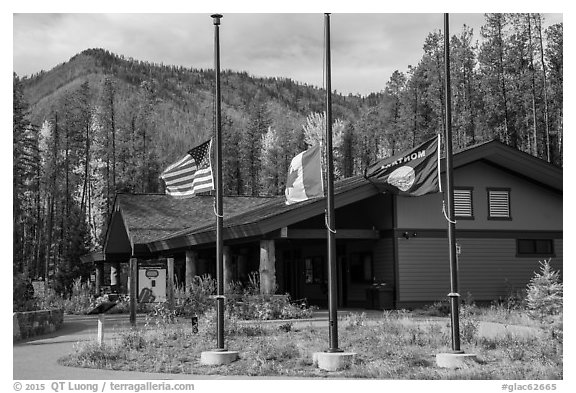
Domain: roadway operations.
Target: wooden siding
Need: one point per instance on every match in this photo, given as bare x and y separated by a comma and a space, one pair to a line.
533, 207
488, 268
423, 271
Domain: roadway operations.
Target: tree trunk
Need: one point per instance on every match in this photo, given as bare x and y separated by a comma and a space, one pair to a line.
533, 82
545, 88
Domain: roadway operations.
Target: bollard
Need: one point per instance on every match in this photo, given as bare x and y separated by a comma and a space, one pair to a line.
101, 328
194, 324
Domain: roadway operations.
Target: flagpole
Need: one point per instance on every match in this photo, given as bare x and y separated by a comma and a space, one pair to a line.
331, 225
219, 204
453, 295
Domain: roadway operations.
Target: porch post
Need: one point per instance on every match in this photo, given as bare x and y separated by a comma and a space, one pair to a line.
99, 277
267, 267
133, 289
191, 268
170, 283
227, 267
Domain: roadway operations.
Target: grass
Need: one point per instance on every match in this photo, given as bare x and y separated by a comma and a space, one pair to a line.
395, 346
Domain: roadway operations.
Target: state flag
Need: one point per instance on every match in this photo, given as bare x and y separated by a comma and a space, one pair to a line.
412, 173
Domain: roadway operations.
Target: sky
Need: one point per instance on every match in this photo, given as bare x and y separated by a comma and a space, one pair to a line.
365, 48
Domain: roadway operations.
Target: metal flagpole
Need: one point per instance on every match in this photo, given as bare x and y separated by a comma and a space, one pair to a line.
332, 278
219, 205
453, 295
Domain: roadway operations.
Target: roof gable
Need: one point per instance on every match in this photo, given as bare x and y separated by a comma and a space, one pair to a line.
512, 160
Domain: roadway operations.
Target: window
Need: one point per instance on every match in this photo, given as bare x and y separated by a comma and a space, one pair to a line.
463, 203
313, 270
499, 203
361, 268
535, 247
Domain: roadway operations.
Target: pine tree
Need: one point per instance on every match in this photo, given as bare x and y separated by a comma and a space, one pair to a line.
554, 60
250, 146
25, 203
494, 70
545, 292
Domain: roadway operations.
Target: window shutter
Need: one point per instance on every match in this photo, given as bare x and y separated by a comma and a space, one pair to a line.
499, 203
463, 203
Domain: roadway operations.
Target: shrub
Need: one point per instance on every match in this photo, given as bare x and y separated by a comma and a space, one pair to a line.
266, 307
132, 339
197, 299
468, 323
22, 294
160, 315
438, 309
545, 293
355, 320
92, 354
80, 300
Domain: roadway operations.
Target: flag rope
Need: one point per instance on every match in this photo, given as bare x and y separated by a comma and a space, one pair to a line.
326, 222
444, 211
215, 212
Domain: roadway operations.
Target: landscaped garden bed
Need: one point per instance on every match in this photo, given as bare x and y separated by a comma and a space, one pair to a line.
393, 345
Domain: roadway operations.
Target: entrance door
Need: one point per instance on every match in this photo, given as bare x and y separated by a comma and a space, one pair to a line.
291, 269
343, 273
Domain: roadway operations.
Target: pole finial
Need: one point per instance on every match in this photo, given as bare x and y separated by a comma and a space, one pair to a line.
216, 18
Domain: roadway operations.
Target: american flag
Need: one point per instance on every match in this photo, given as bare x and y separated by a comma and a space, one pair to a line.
192, 174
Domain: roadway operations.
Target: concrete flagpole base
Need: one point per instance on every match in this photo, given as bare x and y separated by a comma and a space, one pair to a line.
217, 358
455, 360
333, 361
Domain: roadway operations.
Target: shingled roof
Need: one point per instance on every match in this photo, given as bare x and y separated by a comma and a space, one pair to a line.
148, 217
267, 217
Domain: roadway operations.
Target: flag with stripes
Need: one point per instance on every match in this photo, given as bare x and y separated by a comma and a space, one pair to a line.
191, 174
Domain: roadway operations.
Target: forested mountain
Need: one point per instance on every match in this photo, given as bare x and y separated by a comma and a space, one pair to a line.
101, 123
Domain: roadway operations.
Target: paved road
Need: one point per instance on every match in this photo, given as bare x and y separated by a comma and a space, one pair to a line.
36, 358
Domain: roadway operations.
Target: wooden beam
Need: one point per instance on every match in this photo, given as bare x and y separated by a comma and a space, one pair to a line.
170, 282
290, 233
133, 289
267, 267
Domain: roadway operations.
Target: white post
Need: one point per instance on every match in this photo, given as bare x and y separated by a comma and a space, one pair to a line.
101, 318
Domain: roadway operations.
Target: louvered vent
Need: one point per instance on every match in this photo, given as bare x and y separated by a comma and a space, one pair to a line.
463, 203
499, 203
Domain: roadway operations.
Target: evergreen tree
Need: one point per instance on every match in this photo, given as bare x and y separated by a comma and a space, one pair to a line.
271, 172
554, 60
466, 103
494, 72
25, 184
251, 144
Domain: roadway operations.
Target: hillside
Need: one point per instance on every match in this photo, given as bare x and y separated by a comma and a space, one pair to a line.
183, 98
